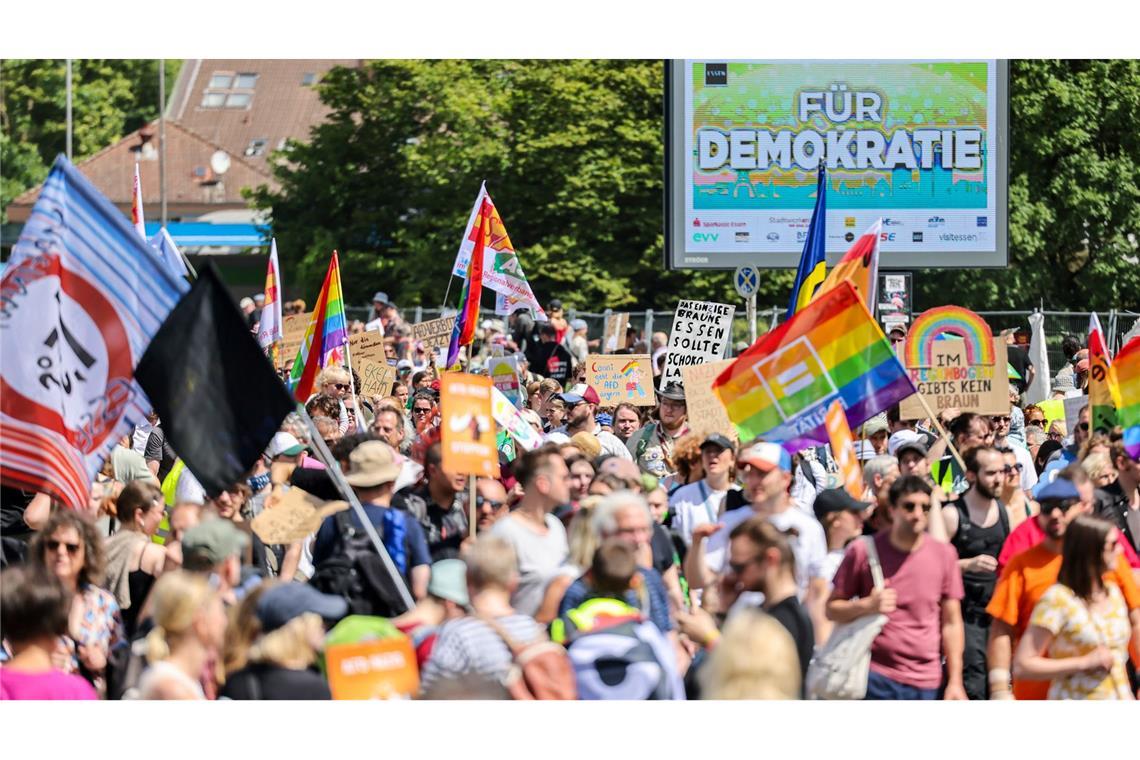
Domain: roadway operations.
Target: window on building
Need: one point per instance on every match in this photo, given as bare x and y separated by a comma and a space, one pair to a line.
229, 90
308, 79
245, 81
213, 99
221, 81
238, 100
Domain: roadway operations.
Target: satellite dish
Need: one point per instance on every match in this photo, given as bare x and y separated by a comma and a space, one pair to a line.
220, 162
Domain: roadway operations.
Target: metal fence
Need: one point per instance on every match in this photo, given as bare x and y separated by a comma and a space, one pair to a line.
1116, 323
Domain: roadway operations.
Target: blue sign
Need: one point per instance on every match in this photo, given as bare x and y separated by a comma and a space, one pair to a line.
747, 280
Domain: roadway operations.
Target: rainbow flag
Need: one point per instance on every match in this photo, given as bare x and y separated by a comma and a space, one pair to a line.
468, 318
1125, 387
326, 332
1102, 411
780, 388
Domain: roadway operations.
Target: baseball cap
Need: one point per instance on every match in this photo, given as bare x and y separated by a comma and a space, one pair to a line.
905, 439
1058, 489
280, 604
580, 393
212, 541
555, 304
404, 364
449, 581
864, 450
371, 464
284, 443
716, 439
380, 297
578, 324
837, 500
766, 456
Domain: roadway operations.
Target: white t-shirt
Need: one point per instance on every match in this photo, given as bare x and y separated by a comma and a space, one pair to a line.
539, 558
693, 505
809, 547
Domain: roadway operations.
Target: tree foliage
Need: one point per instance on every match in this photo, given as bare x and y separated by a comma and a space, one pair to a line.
110, 98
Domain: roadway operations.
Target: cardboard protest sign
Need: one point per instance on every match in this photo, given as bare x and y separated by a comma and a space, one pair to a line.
366, 350
701, 333
435, 333
293, 327
513, 423
289, 515
375, 669
956, 363
705, 413
504, 372
614, 336
468, 428
621, 379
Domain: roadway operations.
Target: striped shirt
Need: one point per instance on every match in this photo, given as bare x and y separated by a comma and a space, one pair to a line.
469, 646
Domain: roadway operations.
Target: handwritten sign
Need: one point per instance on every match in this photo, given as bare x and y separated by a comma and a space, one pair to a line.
952, 382
369, 361
614, 336
293, 328
289, 515
504, 373
435, 333
701, 332
706, 414
375, 669
621, 379
468, 427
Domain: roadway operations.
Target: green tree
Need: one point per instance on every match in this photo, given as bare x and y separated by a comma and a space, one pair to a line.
110, 98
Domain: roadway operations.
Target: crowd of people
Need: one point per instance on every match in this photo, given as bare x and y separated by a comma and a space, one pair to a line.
663, 563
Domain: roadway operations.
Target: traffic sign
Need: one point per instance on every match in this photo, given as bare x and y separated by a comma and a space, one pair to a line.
746, 280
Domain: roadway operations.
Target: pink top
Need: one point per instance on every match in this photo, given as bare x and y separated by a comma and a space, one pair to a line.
1029, 534
909, 648
53, 684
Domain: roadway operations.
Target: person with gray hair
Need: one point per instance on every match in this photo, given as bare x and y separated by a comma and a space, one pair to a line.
879, 470
625, 516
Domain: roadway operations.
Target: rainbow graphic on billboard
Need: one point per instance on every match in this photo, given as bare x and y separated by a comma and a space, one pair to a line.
935, 324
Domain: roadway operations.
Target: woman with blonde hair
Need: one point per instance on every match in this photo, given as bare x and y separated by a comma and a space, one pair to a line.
189, 623
583, 542
287, 627
336, 382
1098, 466
754, 658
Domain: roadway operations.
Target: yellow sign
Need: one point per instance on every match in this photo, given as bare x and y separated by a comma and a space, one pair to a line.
293, 328
621, 379
705, 413
369, 361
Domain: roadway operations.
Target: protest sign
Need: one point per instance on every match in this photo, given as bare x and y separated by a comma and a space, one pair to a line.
367, 353
955, 363
705, 413
435, 333
504, 373
376, 669
508, 417
289, 515
293, 328
701, 333
614, 336
468, 429
621, 379
843, 448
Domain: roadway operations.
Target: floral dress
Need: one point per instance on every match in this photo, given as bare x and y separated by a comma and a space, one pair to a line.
101, 623
1077, 632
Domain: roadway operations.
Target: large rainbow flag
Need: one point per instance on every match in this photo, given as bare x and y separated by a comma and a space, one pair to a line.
468, 318
1125, 373
1102, 410
326, 332
780, 388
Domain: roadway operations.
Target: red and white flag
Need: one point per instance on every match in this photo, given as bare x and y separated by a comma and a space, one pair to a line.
137, 207
269, 330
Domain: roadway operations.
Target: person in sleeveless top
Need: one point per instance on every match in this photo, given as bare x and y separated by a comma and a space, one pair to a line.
977, 524
133, 560
189, 623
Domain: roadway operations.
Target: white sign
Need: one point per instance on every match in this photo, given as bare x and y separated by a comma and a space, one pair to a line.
701, 333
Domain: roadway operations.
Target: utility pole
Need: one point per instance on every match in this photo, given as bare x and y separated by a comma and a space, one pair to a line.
68, 109
162, 136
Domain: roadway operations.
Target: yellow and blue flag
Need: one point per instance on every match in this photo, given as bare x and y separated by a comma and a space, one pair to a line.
813, 265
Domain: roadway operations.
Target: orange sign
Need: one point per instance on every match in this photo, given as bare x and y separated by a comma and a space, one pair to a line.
843, 447
468, 429
377, 669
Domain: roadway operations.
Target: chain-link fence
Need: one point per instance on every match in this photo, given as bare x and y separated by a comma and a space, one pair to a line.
1057, 324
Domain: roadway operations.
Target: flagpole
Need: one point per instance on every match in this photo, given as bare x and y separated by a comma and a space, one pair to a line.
326, 458
69, 119
162, 137
447, 292
348, 358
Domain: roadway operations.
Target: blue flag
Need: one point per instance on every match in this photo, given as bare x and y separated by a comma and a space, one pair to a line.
168, 252
82, 296
813, 265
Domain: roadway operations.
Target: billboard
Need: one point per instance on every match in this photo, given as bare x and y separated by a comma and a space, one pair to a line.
921, 144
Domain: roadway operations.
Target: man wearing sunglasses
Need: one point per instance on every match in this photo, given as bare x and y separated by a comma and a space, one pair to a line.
1001, 425
1031, 572
921, 599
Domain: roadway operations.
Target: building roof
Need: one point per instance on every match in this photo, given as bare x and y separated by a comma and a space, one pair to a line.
248, 106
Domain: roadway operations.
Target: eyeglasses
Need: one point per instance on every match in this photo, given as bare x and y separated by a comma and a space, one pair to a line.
1055, 436
910, 506
1012, 468
54, 546
738, 568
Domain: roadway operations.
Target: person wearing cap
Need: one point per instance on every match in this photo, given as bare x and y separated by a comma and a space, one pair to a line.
292, 619
921, 599
379, 308
652, 445
557, 320
767, 479
581, 404
446, 600
842, 518
977, 525
284, 447
876, 431
579, 345
1029, 573
372, 472
703, 501
214, 548
896, 334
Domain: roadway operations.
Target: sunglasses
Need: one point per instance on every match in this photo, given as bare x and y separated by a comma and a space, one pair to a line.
1084, 426
342, 386
1012, 468
910, 506
493, 503
738, 568
1048, 507
54, 546
1055, 436
419, 411
1000, 419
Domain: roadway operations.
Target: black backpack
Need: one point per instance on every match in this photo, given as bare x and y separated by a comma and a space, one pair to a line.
356, 572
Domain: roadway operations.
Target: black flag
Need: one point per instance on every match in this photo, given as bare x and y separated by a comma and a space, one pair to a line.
216, 393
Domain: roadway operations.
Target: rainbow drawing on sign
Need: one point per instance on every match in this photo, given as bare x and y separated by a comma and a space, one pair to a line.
949, 320
631, 374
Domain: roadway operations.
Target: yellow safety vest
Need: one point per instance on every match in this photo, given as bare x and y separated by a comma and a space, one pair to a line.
169, 489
